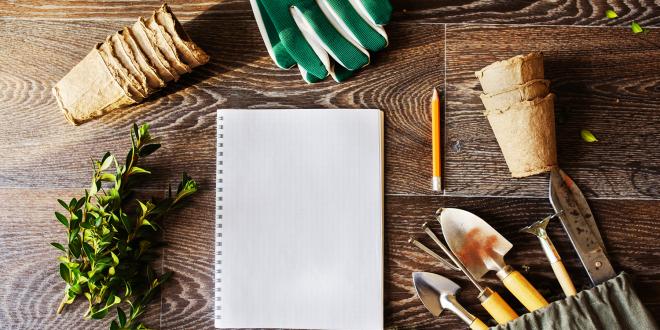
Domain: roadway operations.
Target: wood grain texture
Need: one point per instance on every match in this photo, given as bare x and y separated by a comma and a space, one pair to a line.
398, 81
564, 12
606, 80
187, 300
30, 285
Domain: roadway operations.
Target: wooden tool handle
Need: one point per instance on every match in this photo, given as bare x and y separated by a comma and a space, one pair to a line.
563, 278
477, 324
498, 308
524, 291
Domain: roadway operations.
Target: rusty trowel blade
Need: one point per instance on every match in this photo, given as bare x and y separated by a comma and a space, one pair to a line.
480, 247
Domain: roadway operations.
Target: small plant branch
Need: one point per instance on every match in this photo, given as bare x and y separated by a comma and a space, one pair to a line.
111, 244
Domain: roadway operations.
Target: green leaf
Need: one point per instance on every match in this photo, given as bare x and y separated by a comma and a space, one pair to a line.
106, 161
144, 130
121, 316
72, 203
74, 234
75, 247
136, 131
65, 273
129, 158
107, 177
61, 218
66, 207
148, 149
587, 136
126, 222
99, 314
143, 207
58, 246
115, 260
636, 28
89, 251
146, 222
94, 188
611, 13
80, 203
165, 277
137, 170
187, 187
113, 300
75, 289
114, 326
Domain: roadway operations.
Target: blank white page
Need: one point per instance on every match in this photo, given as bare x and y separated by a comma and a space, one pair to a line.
299, 223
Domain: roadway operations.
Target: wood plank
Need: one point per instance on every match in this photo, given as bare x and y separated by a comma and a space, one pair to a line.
190, 233
603, 81
565, 12
240, 75
30, 285
632, 248
187, 299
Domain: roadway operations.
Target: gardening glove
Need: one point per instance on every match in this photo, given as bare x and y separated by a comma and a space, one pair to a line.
309, 32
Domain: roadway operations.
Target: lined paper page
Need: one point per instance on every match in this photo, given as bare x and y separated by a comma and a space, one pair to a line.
301, 219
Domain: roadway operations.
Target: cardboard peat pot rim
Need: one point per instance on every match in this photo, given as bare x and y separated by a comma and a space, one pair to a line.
89, 90
503, 75
191, 54
528, 91
525, 132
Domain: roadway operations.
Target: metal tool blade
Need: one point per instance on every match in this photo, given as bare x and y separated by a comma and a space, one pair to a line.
580, 225
474, 242
430, 287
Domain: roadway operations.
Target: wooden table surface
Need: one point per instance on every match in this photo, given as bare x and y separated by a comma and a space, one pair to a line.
607, 80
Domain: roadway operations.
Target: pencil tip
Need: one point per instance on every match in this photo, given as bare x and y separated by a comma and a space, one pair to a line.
435, 92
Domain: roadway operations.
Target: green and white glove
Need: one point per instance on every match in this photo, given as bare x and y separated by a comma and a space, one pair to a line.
309, 32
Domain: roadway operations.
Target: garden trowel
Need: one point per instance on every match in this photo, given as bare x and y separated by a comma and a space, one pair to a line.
481, 249
438, 293
580, 225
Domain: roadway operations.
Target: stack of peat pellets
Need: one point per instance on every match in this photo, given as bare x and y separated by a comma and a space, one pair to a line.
520, 110
127, 67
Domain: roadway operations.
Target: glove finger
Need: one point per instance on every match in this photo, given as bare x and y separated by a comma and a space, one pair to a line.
340, 74
313, 42
309, 78
380, 11
347, 53
361, 29
275, 48
293, 39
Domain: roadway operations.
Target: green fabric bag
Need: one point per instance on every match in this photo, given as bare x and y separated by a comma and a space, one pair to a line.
610, 305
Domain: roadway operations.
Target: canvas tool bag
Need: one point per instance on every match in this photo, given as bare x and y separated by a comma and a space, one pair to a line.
610, 305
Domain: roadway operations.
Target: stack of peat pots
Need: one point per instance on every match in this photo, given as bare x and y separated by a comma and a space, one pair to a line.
520, 110
128, 66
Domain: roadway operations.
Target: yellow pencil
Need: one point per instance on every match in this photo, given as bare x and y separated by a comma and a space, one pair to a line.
435, 135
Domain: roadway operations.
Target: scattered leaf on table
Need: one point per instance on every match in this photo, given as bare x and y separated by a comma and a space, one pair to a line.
611, 14
588, 136
636, 28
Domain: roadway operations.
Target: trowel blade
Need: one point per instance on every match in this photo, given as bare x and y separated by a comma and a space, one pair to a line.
480, 247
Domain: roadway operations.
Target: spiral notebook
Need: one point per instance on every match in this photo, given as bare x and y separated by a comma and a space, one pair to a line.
299, 223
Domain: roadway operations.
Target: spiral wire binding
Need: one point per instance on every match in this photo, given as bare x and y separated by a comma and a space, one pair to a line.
218, 216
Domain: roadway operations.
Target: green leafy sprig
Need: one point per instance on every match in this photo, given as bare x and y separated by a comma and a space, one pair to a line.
112, 237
